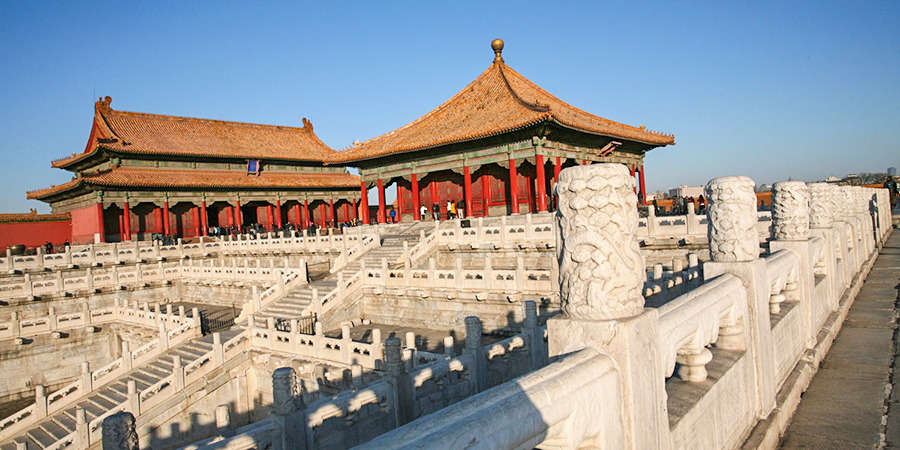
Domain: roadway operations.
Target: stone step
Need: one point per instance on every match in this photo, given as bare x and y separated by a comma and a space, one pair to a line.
40, 437
142, 377
95, 407
52, 428
65, 422
119, 388
153, 371
161, 364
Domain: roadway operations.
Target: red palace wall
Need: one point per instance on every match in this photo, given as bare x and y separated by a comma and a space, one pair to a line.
33, 234
85, 223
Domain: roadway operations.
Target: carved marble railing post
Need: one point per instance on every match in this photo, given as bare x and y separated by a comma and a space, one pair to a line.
821, 224
734, 249
853, 233
288, 410
398, 379
791, 217
842, 242
868, 217
82, 435
601, 276
119, 432
532, 328
475, 348
790, 211
601, 270
732, 219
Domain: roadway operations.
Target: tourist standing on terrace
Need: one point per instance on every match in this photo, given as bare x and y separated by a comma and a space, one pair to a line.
891, 186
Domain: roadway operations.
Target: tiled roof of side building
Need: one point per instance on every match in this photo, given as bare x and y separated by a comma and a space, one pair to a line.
33, 216
498, 101
154, 134
199, 179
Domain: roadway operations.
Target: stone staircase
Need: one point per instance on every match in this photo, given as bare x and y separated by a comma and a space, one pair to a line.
62, 423
293, 304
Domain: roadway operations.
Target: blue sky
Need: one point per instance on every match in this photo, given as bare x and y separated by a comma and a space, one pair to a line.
771, 90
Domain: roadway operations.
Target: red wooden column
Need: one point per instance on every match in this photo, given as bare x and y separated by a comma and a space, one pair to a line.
643, 188
399, 216
417, 205
432, 184
237, 215
365, 203
204, 218
381, 206
278, 213
270, 215
331, 212
355, 210
557, 166
467, 180
485, 192
121, 227
127, 214
229, 216
631, 171
166, 217
306, 213
513, 186
197, 224
541, 182
100, 229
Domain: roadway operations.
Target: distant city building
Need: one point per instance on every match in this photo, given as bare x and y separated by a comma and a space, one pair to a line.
832, 179
892, 171
686, 191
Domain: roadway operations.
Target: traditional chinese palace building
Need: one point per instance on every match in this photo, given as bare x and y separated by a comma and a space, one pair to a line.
494, 148
497, 145
147, 173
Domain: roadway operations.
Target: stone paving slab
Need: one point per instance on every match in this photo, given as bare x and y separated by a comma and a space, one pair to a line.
860, 349
797, 441
844, 406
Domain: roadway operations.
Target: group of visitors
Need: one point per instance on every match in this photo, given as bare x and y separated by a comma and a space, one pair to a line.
455, 210
680, 205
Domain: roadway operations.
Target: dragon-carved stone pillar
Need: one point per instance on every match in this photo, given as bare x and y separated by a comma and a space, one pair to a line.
601, 275
732, 218
821, 212
601, 269
791, 211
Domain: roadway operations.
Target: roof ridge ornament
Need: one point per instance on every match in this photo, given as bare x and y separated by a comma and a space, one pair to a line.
497, 46
102, 104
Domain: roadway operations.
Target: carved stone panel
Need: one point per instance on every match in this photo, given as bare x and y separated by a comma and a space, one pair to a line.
790, 216
849, 200
601, 269
835, 197
732, 219
820, 209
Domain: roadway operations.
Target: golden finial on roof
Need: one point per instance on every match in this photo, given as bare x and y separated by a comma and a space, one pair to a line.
497, 45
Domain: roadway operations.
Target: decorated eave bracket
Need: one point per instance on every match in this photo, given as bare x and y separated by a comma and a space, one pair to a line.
609, 148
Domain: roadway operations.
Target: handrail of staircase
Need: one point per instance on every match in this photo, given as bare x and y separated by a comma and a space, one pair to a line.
366, 243
90, 381
155, 394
